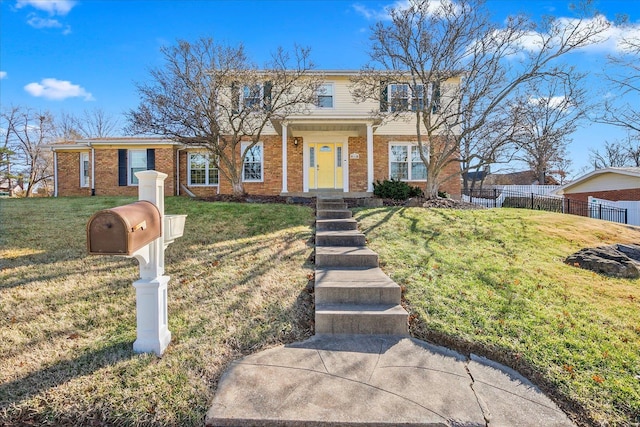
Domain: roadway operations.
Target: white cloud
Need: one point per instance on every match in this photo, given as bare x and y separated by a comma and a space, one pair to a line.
617, 35
3, 75
57, 90
553, 102
610, 40
37, 22
383, 14
53, 7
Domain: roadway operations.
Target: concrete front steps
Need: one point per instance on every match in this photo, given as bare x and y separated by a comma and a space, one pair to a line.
353, 296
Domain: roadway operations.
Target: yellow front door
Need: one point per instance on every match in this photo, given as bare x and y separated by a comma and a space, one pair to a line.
325, 165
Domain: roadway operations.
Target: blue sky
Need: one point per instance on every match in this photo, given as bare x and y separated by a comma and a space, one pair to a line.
70, 56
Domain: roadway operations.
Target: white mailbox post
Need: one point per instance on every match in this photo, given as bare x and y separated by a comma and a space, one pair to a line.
153, 334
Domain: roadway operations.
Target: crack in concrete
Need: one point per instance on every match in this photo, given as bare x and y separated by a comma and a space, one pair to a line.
486, 414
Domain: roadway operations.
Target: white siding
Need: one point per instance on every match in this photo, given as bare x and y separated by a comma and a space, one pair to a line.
606, 182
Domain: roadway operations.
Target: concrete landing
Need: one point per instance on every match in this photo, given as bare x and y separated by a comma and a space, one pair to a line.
376, 380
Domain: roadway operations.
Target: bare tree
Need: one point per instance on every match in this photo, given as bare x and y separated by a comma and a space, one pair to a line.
632, 148
213, 96
487, 147
28, 134
7, 118
66, 125
617, 154
622, 109
466, 67
95, 123
547, 113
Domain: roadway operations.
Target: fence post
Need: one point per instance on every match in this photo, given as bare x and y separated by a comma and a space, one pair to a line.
600, 211
625, 216
531, 201
495, 198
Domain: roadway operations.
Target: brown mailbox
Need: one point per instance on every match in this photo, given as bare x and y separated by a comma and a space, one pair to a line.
124, 229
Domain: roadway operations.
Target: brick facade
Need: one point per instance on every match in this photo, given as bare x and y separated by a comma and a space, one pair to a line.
106, 172
631, 194
381, 165
69, 174
107, 182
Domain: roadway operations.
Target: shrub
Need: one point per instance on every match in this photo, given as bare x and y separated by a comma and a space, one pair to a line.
395, 189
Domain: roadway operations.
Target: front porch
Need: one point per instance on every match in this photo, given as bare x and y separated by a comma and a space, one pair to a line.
336, 155
330, 194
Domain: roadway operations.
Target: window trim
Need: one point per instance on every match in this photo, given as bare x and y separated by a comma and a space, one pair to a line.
84, 171
330, 93
130, 174
259, 103
414, 99
207, 169
410, 147
243, 147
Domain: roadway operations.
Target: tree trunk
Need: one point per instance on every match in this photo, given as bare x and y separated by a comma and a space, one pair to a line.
431, 189
237, 187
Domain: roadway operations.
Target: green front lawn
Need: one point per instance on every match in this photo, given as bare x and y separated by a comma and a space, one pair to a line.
492, 282
239, 283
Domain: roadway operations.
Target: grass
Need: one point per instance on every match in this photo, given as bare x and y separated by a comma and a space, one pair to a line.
493, 282
490, 282
239, 283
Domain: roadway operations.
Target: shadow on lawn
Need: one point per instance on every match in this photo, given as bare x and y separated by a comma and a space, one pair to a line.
41, 381
40, 272
371, 212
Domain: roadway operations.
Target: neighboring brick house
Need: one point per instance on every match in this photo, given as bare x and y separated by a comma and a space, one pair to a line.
339, 145
614, 184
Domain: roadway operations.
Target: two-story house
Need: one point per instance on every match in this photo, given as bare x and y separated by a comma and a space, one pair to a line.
338, 145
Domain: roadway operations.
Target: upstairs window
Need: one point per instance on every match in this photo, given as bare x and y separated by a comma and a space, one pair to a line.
325, 96
402, 97
255, 96
399, 97
202, 169
252, 96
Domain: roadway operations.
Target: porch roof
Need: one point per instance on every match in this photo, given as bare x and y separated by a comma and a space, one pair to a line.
357, 124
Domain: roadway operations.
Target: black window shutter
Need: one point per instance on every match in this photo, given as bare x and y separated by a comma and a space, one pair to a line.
235, 98
122, 167
384, 102
435, 102
267, 95
151, 159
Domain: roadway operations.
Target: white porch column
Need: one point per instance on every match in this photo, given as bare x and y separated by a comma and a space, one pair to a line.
284, 158
369, 157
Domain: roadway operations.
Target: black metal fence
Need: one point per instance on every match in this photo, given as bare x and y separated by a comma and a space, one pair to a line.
497, 198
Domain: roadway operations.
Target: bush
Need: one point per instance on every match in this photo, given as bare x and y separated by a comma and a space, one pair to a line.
395, 189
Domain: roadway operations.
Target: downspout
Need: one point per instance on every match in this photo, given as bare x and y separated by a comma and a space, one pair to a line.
55, 173
178, 170
93, 170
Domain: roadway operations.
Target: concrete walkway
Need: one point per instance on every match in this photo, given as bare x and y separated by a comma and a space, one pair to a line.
362, 368
376, 380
